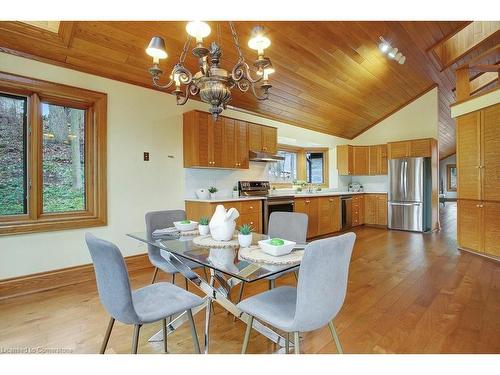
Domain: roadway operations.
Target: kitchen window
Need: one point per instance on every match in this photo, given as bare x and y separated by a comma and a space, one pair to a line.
309, 165
52, 156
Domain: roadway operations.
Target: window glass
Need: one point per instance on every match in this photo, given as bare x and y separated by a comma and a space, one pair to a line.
284, 171
314, 167
13, 186
63, 158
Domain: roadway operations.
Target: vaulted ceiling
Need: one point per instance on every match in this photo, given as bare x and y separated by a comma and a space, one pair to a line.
330, 76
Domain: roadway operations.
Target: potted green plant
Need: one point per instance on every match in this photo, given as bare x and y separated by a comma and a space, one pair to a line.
245, 235
203, 227
236, 193
212, 190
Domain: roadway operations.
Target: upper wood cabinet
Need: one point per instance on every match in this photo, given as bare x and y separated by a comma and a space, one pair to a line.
362, 160
263, 138
344, 160
412, 148
478, 154
225, 143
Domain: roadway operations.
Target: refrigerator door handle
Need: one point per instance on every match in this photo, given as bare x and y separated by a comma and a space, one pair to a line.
404, 204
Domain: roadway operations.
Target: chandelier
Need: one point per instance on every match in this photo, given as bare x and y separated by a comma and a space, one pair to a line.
211, 82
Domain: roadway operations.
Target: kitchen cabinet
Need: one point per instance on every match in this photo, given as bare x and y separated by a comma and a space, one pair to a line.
360, 160
218, 144
263, 138
412, 148
310, 207
329, 215
478, 163
375, 206
250, 211
358, 210
344, 160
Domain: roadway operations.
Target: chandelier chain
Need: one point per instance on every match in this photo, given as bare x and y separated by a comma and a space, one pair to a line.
236, 40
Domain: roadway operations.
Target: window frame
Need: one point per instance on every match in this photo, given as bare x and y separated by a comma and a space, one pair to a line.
449, 167
302, 164
95, 106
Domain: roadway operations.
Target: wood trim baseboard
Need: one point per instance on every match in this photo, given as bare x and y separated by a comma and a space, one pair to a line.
39, 282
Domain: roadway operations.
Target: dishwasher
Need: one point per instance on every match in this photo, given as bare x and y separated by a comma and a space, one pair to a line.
346, 204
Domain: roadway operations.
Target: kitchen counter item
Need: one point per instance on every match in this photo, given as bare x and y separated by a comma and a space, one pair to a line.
185, 227
202, 194
223, 223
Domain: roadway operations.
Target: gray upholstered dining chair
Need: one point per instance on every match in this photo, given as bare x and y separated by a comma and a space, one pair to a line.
318, 298
160, 220
291, 226
145, 305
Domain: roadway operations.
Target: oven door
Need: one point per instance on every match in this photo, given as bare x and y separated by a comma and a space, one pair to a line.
276, 205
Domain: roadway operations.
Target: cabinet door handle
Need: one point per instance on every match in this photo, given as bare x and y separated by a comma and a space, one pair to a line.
251, 223
308, 201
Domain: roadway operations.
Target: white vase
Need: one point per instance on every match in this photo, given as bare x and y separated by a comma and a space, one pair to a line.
245, 240
223, 223
203, 229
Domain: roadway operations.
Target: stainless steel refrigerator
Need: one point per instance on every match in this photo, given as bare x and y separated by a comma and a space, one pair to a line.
410, 191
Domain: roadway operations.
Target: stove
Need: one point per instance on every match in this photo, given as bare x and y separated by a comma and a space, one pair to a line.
271, 203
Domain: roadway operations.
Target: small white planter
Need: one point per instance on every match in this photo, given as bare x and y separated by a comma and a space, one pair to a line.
203, 229
245, 240
213, 195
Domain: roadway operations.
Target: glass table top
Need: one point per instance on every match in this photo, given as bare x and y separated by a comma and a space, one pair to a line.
225, 260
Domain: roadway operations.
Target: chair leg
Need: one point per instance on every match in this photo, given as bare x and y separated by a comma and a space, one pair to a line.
247, 335
335, 337
173, 278
106, 336
154, 275
272, 284
296, 342
186, 283
196, 343
165, 335
287, 343
240, 294
135, 340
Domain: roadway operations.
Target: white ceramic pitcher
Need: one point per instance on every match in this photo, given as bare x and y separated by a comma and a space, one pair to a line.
223, 223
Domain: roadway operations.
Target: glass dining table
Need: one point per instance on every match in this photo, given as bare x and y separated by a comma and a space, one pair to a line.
227, 270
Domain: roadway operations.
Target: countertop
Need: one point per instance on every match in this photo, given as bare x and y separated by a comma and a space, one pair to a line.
296, 195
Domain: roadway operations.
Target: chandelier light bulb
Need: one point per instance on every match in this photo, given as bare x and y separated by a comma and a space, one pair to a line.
398, 56
392, 54
258, 40
402, 60
156, 49
198, 30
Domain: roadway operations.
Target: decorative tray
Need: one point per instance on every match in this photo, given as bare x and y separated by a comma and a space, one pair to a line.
208, 241
255, 254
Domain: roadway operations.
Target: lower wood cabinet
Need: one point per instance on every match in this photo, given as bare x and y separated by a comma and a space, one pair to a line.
310, 207
358, 210
329, 215
375, 206
250, 211
478, 226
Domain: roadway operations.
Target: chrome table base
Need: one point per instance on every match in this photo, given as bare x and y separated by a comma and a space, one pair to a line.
214, 294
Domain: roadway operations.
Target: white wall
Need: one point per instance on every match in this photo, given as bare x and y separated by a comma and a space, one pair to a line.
442, 175
139, 120
419, 119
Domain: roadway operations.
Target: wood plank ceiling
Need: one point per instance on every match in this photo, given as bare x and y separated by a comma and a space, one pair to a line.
330, 76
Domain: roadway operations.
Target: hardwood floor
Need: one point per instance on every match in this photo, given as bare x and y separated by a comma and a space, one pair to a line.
407, 293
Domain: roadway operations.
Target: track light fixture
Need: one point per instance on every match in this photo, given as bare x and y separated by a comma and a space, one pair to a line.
392, 52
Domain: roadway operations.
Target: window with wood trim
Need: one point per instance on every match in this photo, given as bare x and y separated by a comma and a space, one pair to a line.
52, 156
301, 164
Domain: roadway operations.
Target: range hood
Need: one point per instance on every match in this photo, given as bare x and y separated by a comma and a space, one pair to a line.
264, 156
